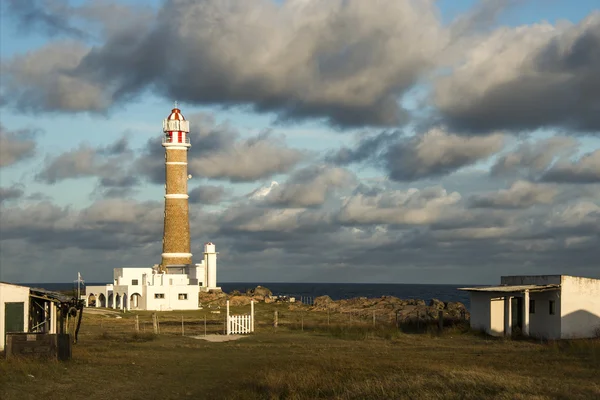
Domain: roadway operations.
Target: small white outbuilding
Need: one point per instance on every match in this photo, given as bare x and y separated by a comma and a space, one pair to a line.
24, 309
544, 306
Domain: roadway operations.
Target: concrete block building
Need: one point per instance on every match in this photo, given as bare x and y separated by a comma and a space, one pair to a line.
175, 283
545, 306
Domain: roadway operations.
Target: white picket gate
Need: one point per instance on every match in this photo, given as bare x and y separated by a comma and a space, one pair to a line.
240, 324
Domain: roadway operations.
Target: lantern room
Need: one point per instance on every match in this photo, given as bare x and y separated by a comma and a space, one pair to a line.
176, 129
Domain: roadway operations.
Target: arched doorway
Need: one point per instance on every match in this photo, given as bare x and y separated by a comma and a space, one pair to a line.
124, 299
117, 300
91, 300
101, 300
111, 301
135, 301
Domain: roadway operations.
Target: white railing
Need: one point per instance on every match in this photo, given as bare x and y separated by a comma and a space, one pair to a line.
174, 139
240, 324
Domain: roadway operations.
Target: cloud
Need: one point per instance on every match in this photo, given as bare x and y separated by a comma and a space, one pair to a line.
387, 233
46, 80
51, 17
437, 153
207, 194
368, 148
550, 160
532, 158
218, 152
107, 163
310, 186
346, 62
10, 193
584, 170
521, 194
15, 146
525, 78
411, 207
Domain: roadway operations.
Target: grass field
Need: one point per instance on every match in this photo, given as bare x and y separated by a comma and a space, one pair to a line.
304, 358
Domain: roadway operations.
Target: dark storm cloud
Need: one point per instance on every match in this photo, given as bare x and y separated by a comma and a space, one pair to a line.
328, 61
527, 78
437, 153
16, 146
207, 194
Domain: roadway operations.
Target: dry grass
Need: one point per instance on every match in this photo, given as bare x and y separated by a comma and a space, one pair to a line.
342, 360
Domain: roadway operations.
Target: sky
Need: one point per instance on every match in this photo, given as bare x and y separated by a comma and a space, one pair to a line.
396, 141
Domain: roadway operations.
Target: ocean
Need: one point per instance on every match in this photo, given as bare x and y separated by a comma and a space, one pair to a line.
336, 291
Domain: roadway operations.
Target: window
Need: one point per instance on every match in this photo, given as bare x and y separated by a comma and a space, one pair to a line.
159, 295
134, 281
552, 308
531, 306
182, 296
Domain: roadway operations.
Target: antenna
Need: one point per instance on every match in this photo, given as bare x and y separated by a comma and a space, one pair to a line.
176, 104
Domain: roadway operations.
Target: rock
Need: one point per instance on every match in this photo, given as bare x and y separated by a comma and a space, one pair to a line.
322, 301
215, 297
259, 291
239, 301
437, 304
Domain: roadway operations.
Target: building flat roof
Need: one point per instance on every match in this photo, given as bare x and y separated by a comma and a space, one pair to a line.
512, 288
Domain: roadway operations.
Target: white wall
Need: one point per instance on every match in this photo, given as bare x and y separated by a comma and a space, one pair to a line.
580, 307
171, 299
487, 313
13, 294
541, 323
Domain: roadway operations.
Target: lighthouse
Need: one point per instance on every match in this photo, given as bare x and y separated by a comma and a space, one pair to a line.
176, 238
175, 283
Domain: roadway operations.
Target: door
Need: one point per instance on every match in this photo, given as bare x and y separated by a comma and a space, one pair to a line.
14, 317
517, 314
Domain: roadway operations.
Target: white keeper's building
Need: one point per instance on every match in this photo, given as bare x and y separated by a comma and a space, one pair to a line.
151, 289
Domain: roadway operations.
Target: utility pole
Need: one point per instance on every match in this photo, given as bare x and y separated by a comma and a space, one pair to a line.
79, 281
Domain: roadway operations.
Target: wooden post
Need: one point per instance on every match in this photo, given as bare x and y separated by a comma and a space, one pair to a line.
275, 319
440, 320
154, 324
204, 324
137, 323
182, 331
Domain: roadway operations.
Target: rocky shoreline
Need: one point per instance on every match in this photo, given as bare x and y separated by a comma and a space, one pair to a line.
383, 308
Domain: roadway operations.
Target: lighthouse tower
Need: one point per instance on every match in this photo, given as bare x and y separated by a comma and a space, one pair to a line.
176, 239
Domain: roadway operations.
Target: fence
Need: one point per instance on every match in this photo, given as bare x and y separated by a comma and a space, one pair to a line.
240, 324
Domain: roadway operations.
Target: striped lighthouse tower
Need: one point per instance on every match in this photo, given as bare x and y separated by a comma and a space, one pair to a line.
176, 239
